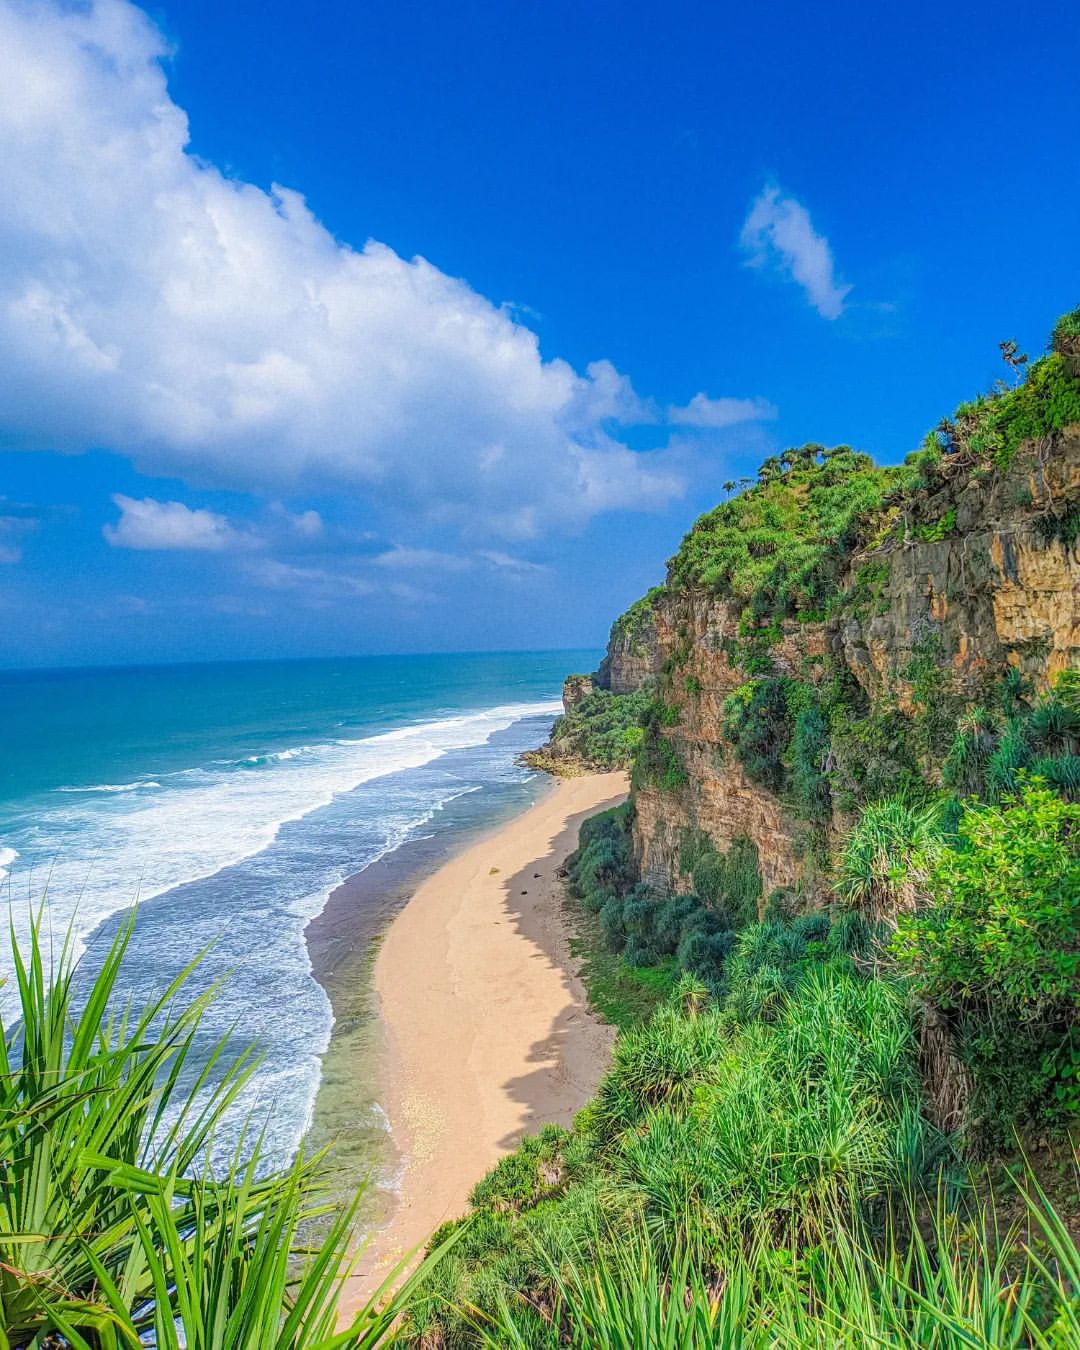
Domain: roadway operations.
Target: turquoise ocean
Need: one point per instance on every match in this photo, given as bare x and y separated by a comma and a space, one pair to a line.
230, 799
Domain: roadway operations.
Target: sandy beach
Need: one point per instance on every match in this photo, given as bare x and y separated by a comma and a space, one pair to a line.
485, 1030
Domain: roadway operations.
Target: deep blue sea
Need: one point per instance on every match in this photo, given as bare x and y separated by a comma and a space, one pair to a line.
230, 799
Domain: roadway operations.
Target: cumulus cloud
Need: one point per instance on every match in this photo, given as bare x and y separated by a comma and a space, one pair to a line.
712, 413
147, 524
306, 524
778, 232
218, 332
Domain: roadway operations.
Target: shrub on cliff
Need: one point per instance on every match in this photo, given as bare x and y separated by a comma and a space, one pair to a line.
632, 628
603, 863
781, 547
998, 950
994, 746
993, 426
727, 881
939, 1283
886, 864
602, 730
1004, 927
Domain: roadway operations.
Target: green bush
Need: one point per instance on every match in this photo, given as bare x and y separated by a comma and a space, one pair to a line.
939, 529
1004, 928
809, 781
992, 427
603, 864
633, 628
728, 882
602, 730
757, 723
1065, 339
523, 1178
781, 547
948, 1282
656, 763
711, 1135
114, 1228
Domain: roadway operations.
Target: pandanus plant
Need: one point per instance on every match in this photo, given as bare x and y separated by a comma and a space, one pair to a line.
887, 860
111, 1231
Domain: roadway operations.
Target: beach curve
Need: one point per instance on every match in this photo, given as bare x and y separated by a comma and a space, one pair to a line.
486, 1029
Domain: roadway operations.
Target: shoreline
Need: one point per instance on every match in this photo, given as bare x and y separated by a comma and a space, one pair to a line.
342, 943
483, 1030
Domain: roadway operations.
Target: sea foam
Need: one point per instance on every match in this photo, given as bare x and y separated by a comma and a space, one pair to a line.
103, 847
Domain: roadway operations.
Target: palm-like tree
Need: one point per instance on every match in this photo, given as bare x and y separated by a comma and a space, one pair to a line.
888, 858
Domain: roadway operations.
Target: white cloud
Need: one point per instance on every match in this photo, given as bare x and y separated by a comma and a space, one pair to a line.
421, 559
509, 563
320, 587
779, 232
307, 524
152, 525
317, 581
703, 411
218, 332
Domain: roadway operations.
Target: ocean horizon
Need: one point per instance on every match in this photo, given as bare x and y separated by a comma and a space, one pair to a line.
228, 800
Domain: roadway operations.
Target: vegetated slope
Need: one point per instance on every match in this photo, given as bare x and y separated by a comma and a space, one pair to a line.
852, 715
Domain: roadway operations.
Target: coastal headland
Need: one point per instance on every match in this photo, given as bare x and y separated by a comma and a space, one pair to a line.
485, 1029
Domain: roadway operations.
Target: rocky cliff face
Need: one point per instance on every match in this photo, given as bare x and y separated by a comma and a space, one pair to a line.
999, 589
634, 653
979, 576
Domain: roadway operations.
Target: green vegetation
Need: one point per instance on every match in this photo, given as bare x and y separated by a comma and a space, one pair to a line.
886, 863
938, 529
993, 427
111, 1227
632, 628
1005, 927
999, 953
772, 1110
602, 730
933, 1286
995, 745
764, 1143
761, 721
690, 934
656, 762
781, 548
728, 882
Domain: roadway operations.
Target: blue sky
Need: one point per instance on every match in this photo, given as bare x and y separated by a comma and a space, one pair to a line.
382, 327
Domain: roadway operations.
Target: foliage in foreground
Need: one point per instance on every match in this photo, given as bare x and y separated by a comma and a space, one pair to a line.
942, 1284
111, 1228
